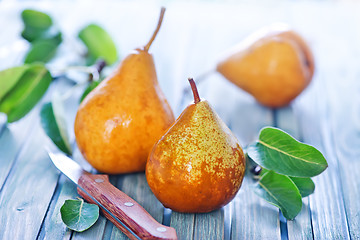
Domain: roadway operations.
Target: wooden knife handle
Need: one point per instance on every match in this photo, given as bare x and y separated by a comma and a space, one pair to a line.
124, 208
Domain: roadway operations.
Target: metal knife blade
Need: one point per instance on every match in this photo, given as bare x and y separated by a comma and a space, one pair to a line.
67, 166
124, 212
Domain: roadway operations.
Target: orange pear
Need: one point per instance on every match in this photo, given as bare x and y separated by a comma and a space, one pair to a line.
274, 65
120, 120
198, 165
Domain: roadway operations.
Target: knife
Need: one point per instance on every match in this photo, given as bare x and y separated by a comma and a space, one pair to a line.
120, 209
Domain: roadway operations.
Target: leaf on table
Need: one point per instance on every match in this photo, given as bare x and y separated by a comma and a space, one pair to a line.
278, 151
91, 87
305, 185
280, 191
98, 43
54, 124
26, 93
9, 77
43, 50
78, 215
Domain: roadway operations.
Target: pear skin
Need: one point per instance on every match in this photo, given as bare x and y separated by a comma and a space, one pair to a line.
274, 66
198, 165
119, 121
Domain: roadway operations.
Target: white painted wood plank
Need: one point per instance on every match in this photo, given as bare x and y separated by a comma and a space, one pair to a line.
345, 120
327, 204
30, 185
315, 108
53, 227
25, 197
345, 123
12, 138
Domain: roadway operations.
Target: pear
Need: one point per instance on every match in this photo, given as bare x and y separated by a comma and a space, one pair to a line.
274, 65
120, 120
198, 165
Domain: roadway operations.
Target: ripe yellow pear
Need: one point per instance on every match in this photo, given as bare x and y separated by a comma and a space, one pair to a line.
198, 165
274, 65
120, 120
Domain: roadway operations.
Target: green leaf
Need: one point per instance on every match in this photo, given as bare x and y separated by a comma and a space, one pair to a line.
36, 19
278, 151
280, 191
42, 50
91, 87
33, 34
78, 215
28, 90
53, 122
98, 43
9, 77
305, 185
37, 25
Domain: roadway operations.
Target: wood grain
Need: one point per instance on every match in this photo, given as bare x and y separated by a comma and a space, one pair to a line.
345, 142
254, 218
326, 204
209, 225
53, 227
184, 224
25, 197
11, 141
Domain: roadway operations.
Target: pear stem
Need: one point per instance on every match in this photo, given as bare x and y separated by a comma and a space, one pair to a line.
162, 12
194, 90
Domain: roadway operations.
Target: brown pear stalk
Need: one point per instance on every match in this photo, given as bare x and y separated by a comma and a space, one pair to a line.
198, 165
120, 120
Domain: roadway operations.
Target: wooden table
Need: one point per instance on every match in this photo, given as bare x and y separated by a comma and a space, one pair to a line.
326, 115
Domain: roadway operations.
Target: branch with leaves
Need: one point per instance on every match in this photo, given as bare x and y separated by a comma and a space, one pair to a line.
22, 87
285, 167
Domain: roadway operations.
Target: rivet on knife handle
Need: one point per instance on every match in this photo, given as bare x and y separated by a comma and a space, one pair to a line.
124, 208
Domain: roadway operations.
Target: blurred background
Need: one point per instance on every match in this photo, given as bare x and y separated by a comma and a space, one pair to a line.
193, 36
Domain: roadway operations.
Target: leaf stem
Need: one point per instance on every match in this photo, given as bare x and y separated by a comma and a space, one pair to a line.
94, 71
98, 67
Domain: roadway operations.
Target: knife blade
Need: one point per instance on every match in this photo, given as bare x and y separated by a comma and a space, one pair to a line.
124, 212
